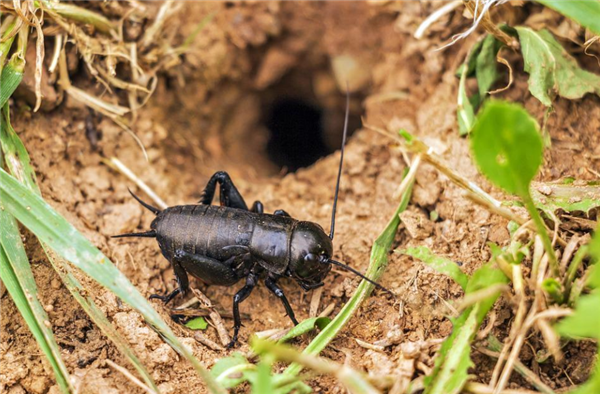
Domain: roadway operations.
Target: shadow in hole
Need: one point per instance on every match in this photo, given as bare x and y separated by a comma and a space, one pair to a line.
296, 134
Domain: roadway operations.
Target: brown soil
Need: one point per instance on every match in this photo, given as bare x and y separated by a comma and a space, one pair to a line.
251, 55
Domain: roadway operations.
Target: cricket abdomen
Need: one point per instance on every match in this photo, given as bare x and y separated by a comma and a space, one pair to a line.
211, 231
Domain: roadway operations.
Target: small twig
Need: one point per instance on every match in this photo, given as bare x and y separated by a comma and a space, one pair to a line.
118, 166
203, 339
214, 316
370, 346
479, 295
315, 300
409, 178
517, 279
58, 44
129, 376
568, 253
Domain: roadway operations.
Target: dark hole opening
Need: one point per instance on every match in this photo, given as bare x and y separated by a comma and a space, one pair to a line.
296, 134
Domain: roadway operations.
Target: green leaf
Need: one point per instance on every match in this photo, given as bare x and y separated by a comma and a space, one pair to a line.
585, 322
6, 42
584, 12
464, 110
197, 323
507, 146
440, 264
455, 355
450, 372
486, 65
10, 78
15, 273
51, 228
552, 71
306, 326
552, 196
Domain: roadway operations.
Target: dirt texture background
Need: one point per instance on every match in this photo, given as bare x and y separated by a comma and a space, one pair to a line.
208, 115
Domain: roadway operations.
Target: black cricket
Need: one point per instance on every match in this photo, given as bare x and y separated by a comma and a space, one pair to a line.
222, 244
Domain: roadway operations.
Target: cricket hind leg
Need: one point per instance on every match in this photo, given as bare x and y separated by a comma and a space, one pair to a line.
228, 194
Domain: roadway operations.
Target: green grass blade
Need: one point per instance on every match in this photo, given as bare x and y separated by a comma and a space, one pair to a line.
452, 375
15, 154
450, 372
52, 229
464, 110
440, 264
305, 326
10, 78
18, 162
584, 12
16, 274
79, 14
378, 263
7, 43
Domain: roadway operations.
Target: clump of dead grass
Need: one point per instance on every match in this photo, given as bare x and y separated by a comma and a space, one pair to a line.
123, 46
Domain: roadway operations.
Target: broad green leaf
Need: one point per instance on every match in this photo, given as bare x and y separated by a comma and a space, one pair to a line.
486, 67
197, 323
51, 228
377, 265
584, 12
585, 322
15, 273
306, 326
552, 71
464, 110
552, 196
438, 263
507, 146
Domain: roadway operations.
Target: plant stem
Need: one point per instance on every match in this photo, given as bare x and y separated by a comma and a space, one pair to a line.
572, 270
78, 14
541, 229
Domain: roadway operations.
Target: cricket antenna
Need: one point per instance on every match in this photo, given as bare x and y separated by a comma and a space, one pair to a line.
355, 272
337, 185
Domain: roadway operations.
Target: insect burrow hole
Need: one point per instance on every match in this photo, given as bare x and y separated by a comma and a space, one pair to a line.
304, 115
